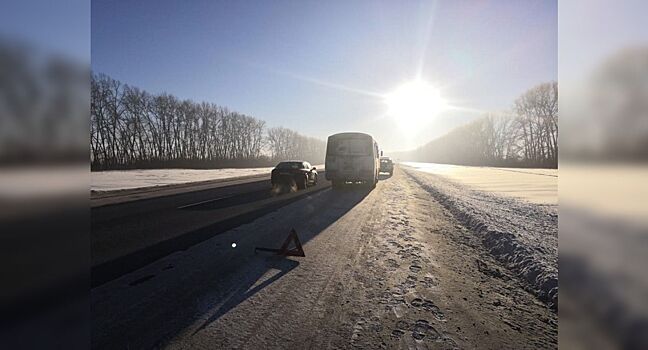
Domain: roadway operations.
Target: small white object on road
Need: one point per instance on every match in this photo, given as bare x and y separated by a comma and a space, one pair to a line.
233, 245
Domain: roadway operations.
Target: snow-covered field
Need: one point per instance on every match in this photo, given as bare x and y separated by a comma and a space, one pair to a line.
128, 179
515, 218
617, 192
534, 185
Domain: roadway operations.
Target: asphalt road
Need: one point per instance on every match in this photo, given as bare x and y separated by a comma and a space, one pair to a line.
390, 268
128, 233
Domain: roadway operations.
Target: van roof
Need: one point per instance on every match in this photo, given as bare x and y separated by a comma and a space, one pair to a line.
351, 134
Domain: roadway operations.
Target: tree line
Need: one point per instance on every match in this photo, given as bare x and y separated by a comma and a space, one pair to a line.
131, 128
526, 137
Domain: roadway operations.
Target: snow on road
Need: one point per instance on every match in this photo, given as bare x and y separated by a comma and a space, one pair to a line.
388, 269
534, 185
127, 179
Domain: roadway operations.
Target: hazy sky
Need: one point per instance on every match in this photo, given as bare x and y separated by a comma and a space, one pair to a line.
321, 67
59, 27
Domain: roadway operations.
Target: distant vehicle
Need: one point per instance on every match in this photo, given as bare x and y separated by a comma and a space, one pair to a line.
302, 173
352, 157
386, 165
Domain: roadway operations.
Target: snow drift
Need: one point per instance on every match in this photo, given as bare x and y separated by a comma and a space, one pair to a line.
521, 235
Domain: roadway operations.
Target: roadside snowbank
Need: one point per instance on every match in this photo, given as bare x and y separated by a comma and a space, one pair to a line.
520, 234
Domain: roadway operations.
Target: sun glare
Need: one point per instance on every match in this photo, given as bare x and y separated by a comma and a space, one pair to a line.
413, 104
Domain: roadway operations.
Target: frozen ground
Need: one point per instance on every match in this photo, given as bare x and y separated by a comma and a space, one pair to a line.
128, 179
389, 269
533, 185
518, 232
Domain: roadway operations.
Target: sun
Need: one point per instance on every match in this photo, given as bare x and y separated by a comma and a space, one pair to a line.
413, 104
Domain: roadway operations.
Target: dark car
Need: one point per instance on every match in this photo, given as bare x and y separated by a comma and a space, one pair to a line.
386, 165
302, 173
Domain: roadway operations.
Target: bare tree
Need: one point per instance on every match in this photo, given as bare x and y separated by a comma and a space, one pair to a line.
537, 118
131, 128
527, 137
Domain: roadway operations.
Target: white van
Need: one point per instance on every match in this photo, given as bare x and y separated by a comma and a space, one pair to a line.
352, 157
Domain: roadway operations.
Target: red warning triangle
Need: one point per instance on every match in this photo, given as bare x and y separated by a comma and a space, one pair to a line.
292, 237
297, 251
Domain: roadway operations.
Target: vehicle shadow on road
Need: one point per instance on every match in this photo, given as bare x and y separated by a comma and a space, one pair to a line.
211, 283
248, 289
341, 201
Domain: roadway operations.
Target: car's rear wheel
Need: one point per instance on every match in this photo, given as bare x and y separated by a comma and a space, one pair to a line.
301, 183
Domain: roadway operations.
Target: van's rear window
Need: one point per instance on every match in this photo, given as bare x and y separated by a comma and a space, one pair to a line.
355, 147
290, 165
